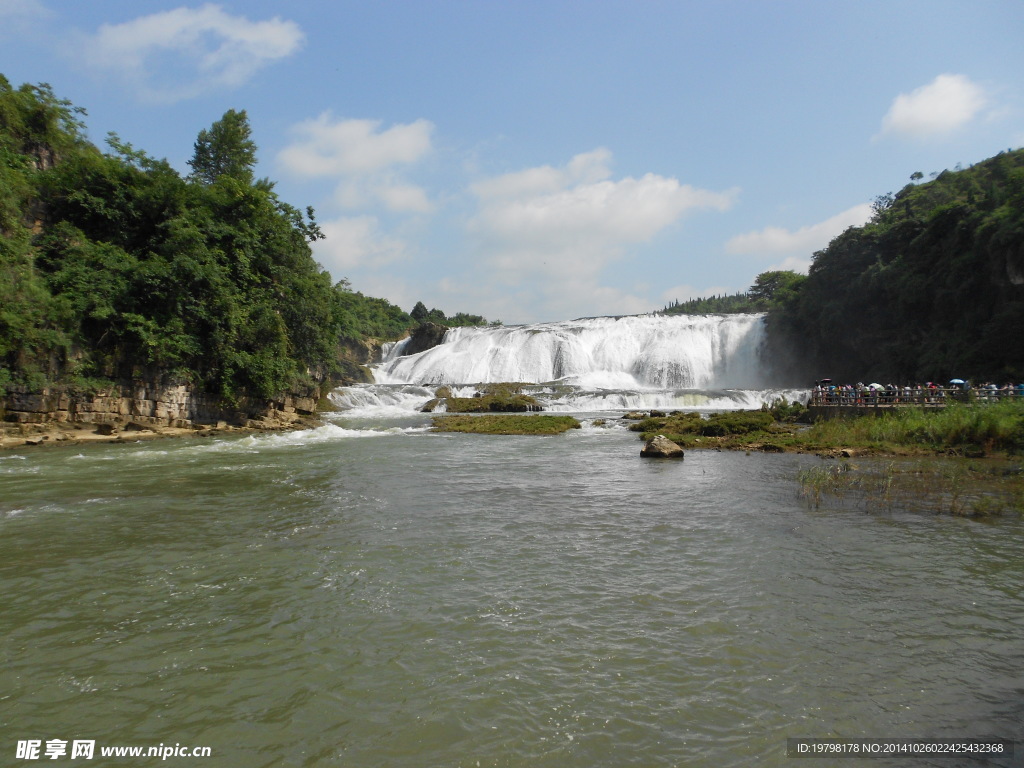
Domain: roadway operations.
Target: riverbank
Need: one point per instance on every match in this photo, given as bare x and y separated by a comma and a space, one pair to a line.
968, 431
146, 410
14, 436
964, 460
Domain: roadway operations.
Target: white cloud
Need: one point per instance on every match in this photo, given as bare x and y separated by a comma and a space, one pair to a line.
572, 221
939, 108
802, 242
356, 242
533, 301
394, 194
587, 167
363, 158
403, 198
20, 17
182, 53
329, 147
553, 230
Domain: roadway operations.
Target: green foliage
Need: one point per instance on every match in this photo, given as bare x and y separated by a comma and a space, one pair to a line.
726, 423
505, 425
773, 288
770, 289
113, 266
36, 131
714, 305
226, 149
931, 287
963, 429
36, 124
784, 411
135, 271
493, 403
464, 319
421, 314
358, 317
504, 397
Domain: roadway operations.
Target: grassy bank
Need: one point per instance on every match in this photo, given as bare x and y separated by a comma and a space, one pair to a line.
505, 425
959, 430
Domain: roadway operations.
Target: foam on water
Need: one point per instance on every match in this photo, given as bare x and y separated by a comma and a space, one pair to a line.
255, 443
378, 401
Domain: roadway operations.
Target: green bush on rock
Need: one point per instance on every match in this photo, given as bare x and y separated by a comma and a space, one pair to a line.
505, 425
684, 427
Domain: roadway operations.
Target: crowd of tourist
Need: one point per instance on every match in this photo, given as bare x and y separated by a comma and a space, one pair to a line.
931, 393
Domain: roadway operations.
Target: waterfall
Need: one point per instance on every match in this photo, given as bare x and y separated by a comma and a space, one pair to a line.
637, 352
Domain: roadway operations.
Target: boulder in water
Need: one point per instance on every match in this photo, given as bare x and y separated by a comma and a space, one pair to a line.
660, 447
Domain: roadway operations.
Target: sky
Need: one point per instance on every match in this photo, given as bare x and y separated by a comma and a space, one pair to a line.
544, 160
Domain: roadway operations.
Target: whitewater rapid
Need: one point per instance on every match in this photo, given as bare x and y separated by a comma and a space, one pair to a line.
684, 362
645, 352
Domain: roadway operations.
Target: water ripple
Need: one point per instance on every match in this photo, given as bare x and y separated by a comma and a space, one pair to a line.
448, 600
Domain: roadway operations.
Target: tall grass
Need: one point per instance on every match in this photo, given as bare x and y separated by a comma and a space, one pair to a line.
996, 426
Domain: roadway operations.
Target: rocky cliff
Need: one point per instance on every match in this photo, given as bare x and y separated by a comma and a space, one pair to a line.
425, 336
155, 407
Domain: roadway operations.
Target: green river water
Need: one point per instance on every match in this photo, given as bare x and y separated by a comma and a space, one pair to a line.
370, 594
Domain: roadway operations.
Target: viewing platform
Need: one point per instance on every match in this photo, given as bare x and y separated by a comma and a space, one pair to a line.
829, 403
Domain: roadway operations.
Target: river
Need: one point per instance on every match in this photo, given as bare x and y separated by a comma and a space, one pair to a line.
372, 594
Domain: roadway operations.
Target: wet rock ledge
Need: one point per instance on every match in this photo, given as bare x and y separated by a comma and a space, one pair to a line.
143, 409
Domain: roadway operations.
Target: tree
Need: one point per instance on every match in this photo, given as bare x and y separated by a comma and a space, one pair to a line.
226, 149
881, 204
769, 287
419, 312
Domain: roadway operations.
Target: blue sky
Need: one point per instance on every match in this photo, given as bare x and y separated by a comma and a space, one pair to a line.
548, 160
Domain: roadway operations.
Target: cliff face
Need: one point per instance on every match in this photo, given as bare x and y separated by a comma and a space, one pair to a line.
154, 406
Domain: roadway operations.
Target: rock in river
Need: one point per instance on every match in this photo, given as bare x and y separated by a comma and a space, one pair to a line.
660, 447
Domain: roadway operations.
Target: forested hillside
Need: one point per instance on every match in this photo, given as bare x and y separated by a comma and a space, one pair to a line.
115, 267
931, 287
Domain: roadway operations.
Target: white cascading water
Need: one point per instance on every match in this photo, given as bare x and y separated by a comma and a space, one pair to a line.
638, 352
599, 364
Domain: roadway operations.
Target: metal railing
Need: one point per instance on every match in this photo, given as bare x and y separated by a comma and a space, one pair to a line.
929, 397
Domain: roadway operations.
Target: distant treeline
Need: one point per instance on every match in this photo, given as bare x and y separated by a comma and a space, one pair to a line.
768, 291
113, 266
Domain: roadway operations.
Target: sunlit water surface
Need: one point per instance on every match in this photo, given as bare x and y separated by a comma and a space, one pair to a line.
370, 594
